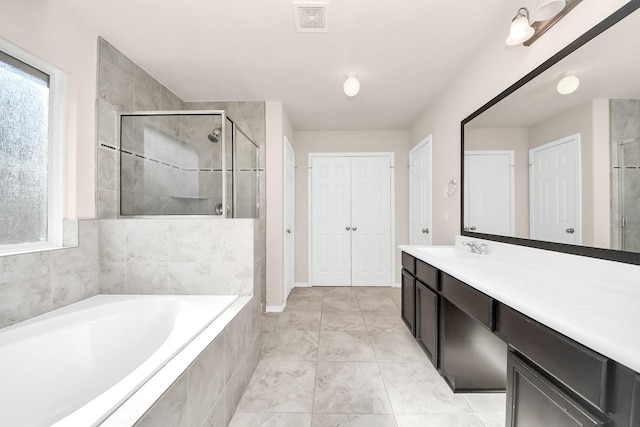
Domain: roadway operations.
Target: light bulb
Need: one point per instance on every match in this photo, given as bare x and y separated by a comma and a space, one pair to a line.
351, 85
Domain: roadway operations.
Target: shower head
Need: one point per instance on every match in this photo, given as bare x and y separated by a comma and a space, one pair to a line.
214, 136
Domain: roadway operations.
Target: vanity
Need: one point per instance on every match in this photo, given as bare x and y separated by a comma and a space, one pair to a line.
563, 343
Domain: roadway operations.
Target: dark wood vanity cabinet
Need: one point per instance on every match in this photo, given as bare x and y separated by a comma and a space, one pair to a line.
427, 321
408, 301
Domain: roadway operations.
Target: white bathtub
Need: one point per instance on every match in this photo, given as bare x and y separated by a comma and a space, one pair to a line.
74, 366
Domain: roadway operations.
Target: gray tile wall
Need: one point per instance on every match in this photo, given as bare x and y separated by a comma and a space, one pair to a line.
35, 283
177, 256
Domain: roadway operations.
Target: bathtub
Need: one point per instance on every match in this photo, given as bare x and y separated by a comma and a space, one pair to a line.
76, 365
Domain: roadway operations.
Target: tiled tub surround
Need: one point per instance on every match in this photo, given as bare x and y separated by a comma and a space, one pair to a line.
38, 282
177, 256
102, 349
203, 384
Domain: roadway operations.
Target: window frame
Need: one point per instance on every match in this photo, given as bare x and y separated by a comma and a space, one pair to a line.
55, 151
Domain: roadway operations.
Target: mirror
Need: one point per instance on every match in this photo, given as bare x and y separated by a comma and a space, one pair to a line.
562, 171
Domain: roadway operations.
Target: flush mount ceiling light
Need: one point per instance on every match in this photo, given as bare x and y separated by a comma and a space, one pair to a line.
568, 83
351, 85
520, 30
547, 9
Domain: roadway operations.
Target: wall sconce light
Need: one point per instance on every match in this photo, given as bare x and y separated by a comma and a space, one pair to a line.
547, 9
568, 83
351, 85
520, 30
546, 14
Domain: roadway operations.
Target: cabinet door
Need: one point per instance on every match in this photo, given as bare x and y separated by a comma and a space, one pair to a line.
408, 301
533, 401
427, 321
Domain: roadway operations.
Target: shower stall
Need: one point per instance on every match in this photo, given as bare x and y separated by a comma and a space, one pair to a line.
625, 191
187, 163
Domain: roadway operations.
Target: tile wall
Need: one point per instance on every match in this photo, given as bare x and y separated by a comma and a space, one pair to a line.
35, 283
625, 173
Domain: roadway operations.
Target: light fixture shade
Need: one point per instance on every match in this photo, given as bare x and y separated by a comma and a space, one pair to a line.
351, 85
520, 30
568, 84
547, 9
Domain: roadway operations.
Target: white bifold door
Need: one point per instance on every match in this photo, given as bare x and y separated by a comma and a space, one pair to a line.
350, 220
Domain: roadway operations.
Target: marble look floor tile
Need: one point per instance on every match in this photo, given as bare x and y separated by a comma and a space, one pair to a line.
378, 304
343, 346
299, 320
487, 402
338, 291
353, 420
376, 292
307, 292
259, 419
280, 386
397, 301
493, 420
383, 321
350, 387
439, 420
342, 321
398, 346
304, 303
340, 303
417, 388
291, 345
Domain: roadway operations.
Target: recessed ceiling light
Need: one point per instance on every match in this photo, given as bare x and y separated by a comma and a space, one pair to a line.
351, 85
568, 83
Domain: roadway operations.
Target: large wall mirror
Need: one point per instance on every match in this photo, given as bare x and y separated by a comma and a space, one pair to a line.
562, 171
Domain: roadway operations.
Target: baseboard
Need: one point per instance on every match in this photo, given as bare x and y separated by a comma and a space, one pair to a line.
275, 308
395, 285
301, 285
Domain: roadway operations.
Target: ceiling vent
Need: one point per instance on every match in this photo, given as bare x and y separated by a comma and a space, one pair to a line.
311, 17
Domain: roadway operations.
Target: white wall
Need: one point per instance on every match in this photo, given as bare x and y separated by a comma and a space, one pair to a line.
495, 68
46, 31
305, 142
278, 126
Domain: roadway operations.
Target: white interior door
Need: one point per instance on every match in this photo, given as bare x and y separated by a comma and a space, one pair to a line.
350, 220
420, 194
330, 221
489, 192
371, 221
289, 216
555, 191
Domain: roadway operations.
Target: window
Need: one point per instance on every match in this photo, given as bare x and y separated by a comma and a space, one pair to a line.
31, 141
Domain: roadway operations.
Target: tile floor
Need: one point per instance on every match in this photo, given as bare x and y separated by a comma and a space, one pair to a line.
342, 357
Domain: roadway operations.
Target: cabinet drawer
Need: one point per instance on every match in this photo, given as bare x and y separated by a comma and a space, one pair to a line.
471, 301
409, 263
427, 274
580, 369
533, 401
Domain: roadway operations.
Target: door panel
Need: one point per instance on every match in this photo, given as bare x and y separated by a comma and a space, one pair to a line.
420, 195
555, 191
330, 215
289, 213
488, 178
371, 219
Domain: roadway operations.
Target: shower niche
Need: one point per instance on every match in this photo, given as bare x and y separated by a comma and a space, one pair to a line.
187, 163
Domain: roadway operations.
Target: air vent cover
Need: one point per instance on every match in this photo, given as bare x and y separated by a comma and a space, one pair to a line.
311, 17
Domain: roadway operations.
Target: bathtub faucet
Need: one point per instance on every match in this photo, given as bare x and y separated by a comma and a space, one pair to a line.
476, 248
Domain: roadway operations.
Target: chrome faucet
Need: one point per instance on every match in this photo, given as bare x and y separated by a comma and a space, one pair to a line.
476, 248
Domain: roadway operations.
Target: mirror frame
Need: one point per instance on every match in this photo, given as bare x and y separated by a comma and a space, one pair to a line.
589, 251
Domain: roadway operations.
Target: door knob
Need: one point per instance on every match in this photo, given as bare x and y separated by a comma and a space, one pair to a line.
570, 230
354, 228
289, 230
425, 230
473, 227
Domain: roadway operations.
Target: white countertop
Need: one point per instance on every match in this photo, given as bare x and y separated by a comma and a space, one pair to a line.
595, 302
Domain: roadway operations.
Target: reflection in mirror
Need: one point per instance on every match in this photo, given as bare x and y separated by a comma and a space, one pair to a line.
549, 167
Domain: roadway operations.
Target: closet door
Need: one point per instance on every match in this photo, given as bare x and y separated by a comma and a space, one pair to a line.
371, 221
330, 221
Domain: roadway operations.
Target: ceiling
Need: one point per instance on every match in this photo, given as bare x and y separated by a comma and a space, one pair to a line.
405, 51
